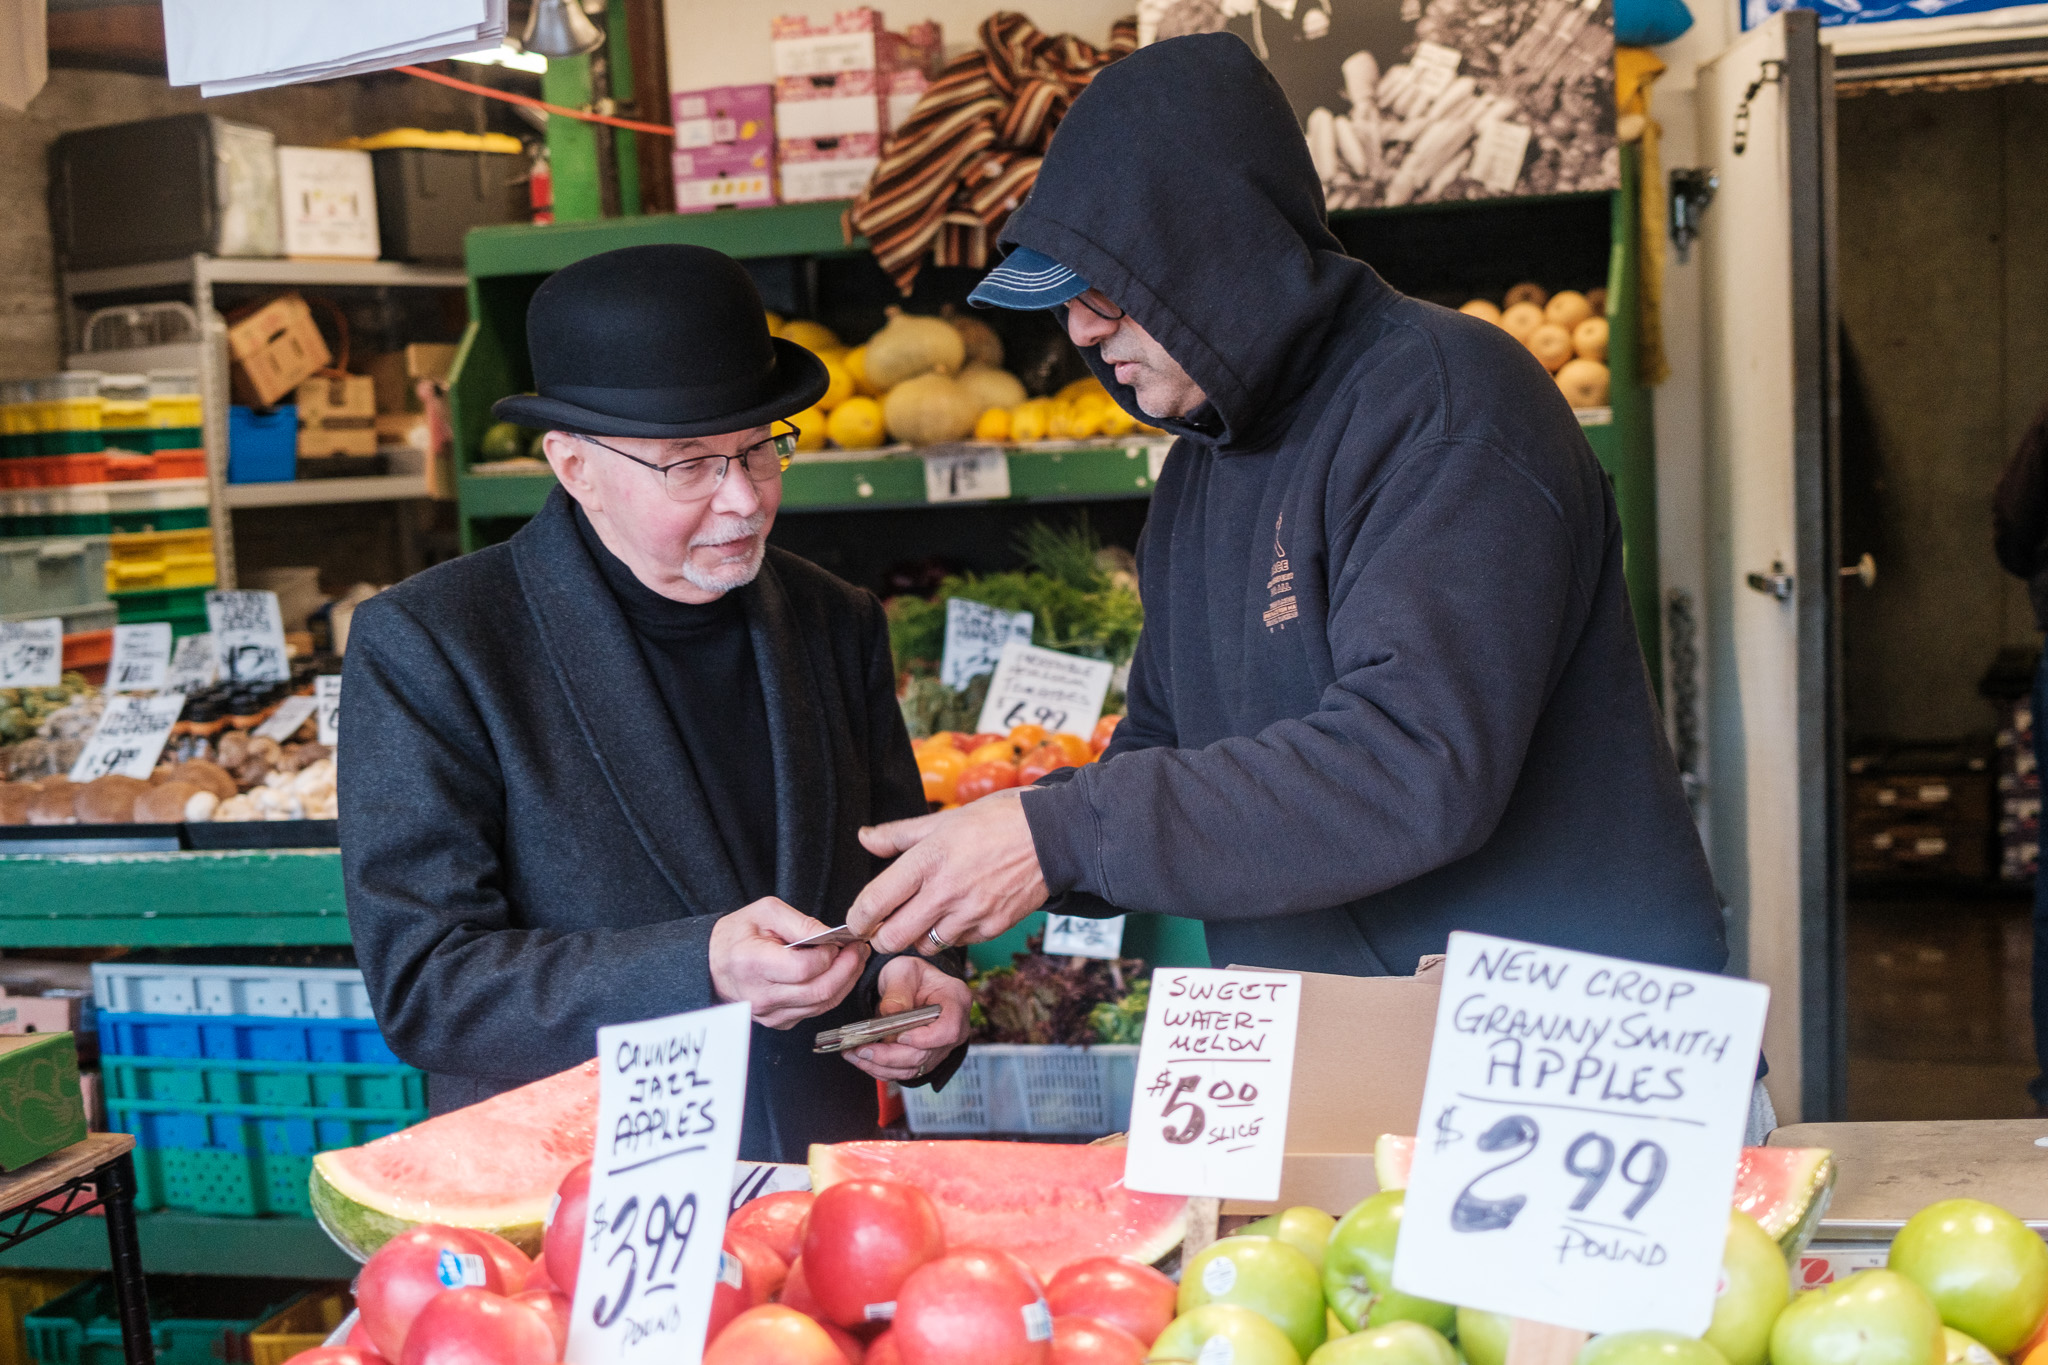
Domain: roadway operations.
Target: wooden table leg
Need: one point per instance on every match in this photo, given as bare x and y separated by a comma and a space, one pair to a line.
1538, 1343
117, 1194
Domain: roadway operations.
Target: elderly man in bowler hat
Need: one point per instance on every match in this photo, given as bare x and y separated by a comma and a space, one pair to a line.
610, 769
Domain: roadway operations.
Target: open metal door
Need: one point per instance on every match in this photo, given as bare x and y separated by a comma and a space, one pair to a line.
1767, 249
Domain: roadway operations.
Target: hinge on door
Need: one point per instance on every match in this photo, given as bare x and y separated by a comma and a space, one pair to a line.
1692, 189
1771, 73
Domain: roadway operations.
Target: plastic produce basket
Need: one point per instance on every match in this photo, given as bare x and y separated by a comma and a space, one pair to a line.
271, 992
1030, 1090
160, 559
48, 577
22, 1291
192, 1321
300, 1327
184, 608
240, 1161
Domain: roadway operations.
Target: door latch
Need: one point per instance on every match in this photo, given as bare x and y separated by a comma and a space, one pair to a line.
1771, 73
1777, 583
1864, 570
1692, 189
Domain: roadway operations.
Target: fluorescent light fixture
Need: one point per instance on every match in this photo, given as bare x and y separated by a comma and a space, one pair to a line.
506, 55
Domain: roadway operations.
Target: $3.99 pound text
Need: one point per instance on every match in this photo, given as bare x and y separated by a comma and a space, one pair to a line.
616, 1241
1188, 1120
1591, 1158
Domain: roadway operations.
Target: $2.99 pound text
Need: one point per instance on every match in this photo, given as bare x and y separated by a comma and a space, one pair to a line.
1591, 1158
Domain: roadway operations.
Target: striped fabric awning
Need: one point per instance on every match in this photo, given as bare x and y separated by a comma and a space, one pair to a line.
969, 152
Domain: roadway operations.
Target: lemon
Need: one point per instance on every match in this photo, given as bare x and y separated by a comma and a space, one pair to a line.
856, 363
1059, 423
1082, 388
856, 424
812, 336
1087, 417
1027, 420
841, 387
774, 324
810, 425
1117, 422
993, 425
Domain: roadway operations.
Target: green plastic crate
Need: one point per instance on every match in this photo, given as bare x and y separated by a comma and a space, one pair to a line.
184, 608
193, 1320
159, 519
173, 438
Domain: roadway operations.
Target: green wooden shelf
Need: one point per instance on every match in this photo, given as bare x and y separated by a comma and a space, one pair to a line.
172, 900
784, 230
192, 1244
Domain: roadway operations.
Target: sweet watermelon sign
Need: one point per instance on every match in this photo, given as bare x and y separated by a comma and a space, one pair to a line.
671, 1095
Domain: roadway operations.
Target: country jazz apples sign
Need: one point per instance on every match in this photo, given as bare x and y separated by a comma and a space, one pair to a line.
1581, 1126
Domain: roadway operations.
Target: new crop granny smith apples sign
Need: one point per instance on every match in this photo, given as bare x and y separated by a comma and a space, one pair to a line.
671, 1095
1580, 1130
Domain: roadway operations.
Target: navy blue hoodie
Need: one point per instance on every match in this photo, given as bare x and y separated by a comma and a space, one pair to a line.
1388, 685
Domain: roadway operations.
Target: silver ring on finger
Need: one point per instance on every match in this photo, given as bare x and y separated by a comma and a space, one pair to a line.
938, 944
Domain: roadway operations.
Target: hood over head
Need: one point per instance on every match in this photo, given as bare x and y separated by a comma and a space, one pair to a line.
1180, 185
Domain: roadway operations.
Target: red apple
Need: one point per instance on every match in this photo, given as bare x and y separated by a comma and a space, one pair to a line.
359, 1337
537, 1277
765, 1270
336, 1355
477, 1327
554, 1308
773, 1335
1116, 1290
513, 1264
796, 1292
1084, 1341
882, 1350
775, 1220
849, 1345
731, 1294
972, 1305
863, 1238
562, 1242
411, 1269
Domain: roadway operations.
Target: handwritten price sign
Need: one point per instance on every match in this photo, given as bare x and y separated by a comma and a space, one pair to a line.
1580, 1129
671, 1095
131, 734
1214, 1072
142, 657
1076, 936
248, 636
32, 652
1034, 686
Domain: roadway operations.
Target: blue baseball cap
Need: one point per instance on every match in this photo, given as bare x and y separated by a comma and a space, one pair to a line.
1027, 280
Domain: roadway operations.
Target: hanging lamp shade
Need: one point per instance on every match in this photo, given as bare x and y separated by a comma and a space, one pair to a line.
560, 28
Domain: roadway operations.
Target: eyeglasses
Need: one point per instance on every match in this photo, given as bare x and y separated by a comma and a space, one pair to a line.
1096, 302
696, 479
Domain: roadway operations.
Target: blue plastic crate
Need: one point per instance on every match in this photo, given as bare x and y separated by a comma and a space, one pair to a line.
263, 1085
241, 1037
263, 447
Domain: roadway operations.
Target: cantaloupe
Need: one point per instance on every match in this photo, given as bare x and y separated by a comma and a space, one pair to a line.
929, 408
909, 346
1589, 339
1480, 308
1520, 320
856, 363
1584, 382
1567, 309
984, 347
991, 387
1550, 344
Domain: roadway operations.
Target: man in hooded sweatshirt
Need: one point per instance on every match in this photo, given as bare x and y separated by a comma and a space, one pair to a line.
1389, 686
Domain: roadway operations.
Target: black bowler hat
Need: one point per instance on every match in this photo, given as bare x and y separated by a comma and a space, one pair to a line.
658, 341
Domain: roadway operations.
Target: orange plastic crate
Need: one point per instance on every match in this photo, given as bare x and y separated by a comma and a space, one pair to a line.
124, 465
89, 652
180, 464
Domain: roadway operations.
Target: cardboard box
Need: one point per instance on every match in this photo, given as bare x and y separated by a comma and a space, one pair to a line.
810, 170
34, 1014
338, 416
329, 201
725, 147
1360, 1061
274, 350
840, 85
397, 373
41, 1109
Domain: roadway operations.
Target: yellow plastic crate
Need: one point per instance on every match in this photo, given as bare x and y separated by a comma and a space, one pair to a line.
298, 1326
70, 414
174, 410
160, 559
124, 414
21, 1293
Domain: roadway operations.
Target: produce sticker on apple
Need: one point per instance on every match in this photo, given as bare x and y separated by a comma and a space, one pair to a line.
1580, 1130
671, 1095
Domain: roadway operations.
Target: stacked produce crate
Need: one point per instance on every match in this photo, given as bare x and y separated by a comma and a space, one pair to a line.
192, 1320
2019, 795
1920, 811
231, 1078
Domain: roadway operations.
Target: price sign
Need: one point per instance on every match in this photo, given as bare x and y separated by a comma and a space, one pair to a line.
1214, 1072
327, 691
1580, 1129
193, 667
752, 1179
671, 1096
32, 652
130, 735
975, 636
1076, 936
248, 636
966, 476
142, 656
1044, 687
285, 721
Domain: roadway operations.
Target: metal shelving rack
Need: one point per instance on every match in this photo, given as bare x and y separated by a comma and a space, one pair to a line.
193, 279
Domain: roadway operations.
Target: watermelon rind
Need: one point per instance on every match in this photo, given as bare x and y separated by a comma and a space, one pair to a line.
359, 1228
1393, 1154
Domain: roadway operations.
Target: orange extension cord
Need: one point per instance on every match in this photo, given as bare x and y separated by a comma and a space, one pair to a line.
659, 129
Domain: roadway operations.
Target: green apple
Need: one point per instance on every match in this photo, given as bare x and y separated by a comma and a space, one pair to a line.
1222, 1334
1397, 1343
1265, 1275
1965, 1350
1307, 1230
1987, 1274
1875, 1317
1754, 1288
1649, 1348
1269, 1226
1483, 1336
1358, 1270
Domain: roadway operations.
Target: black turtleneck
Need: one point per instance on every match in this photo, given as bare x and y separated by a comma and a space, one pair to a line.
702, 659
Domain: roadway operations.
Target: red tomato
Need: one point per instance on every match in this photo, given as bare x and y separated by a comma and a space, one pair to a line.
1046, 758
1084, 1341
979, 781
1116, 1290
477, 1327
562, 1242
1105, 731
864, 1237
973, 1305
967, 744
512, 1262
773, 1335
765, 1270
554, 1308
882, 1350
1077, 749
776, 1221
337, 1355
411, 1269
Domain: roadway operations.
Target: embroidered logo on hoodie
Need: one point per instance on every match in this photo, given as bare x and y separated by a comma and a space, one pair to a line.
1281, 607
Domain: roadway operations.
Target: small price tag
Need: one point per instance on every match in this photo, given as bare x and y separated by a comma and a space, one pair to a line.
193, 667
1076, 936
671, 1096
248, 636
130, 735
285, 721
1497, 158
32, 652
975, 636
1580, 1129
327, 691
1214, 1073
966, 476
1045, 687
142, 656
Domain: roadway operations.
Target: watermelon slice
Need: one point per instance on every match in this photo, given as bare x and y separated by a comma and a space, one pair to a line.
1786, 1189
1046, 1203
493, 1165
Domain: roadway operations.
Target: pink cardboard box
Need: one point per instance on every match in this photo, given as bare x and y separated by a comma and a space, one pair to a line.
841, 84
725, 147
